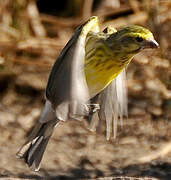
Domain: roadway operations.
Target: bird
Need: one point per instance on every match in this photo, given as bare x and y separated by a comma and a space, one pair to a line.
87, 78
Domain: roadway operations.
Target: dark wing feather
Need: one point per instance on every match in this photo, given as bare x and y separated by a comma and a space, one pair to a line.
67, 88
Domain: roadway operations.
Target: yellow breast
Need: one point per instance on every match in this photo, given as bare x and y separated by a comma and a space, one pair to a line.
102, 65
100, 74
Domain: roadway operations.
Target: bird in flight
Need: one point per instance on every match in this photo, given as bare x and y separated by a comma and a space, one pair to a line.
87, 78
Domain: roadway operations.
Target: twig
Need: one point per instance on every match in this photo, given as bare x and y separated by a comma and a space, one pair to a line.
35, 20
87, 9
140, 17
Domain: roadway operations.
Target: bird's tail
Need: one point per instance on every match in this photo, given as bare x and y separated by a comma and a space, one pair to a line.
32, 152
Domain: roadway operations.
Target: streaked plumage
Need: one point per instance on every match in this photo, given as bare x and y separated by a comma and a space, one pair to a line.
89, 72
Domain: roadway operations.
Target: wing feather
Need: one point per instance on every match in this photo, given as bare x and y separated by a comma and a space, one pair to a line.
67, 88
113, 104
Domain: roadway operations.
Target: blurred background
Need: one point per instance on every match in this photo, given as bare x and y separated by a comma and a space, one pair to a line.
32, 34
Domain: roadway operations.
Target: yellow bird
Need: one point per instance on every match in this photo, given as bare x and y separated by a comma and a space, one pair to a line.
87, 78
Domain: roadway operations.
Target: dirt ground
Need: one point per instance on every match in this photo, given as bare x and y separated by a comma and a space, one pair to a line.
29, 44
142, 147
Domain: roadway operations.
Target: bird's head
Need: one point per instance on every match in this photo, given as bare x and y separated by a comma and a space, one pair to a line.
132, 39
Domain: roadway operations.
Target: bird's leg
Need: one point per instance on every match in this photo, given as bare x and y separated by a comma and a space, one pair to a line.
93, 108
85, 110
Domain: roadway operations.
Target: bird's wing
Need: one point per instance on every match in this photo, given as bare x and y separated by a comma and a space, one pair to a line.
67, 88
109, 30
113, 105
113, 101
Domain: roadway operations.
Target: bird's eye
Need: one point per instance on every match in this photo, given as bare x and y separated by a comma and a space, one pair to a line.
139, 39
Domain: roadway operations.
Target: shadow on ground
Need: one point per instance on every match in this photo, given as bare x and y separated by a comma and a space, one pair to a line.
160, 171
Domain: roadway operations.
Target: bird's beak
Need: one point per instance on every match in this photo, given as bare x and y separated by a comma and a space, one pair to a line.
151, 43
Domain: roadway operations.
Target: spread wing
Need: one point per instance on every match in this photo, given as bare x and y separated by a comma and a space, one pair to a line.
113, 105
113, 102
67, 89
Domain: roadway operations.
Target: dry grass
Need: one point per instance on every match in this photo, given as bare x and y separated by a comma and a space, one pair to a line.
31, 41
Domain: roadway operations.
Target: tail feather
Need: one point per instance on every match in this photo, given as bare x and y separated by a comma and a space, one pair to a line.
35, 153
32, 152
